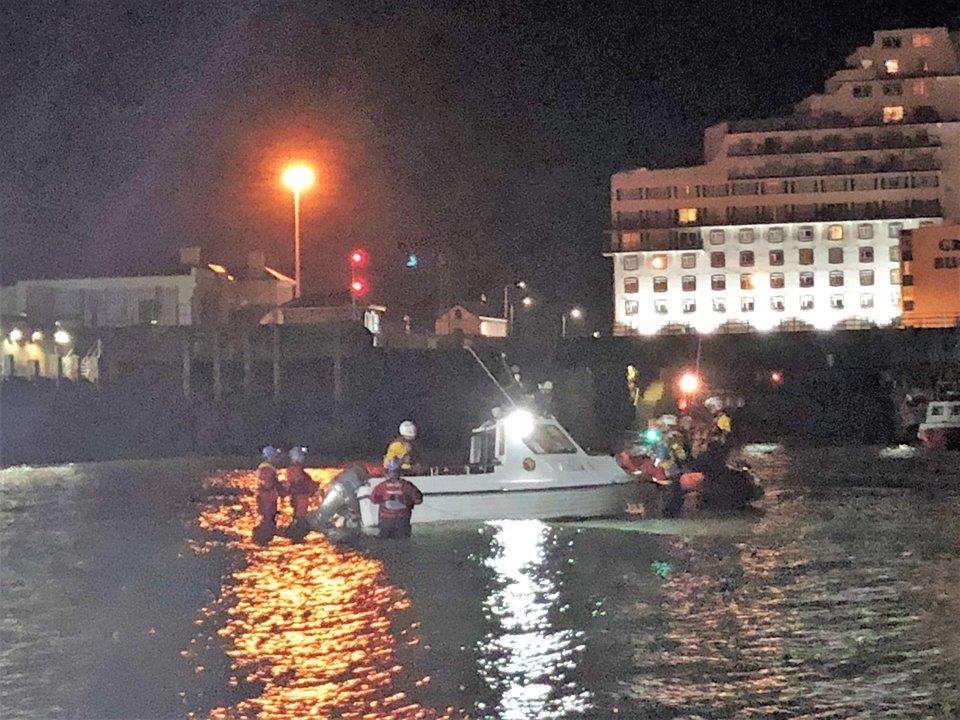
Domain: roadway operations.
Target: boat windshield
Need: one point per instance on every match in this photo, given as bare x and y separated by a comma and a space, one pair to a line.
549, 440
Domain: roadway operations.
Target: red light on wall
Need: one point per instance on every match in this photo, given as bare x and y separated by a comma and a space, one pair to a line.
776, 377
358, 258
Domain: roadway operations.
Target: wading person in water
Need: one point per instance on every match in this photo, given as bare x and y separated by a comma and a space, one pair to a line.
268, 495
396, 498
301, 487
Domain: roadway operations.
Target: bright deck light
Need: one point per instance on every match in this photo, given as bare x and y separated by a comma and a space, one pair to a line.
688, 383
519, 423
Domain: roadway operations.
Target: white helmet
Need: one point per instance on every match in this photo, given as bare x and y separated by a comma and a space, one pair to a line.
713, 404
408, 430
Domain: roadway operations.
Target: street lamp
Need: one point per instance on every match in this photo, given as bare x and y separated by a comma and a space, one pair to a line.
297, 178
574, 314
527, 301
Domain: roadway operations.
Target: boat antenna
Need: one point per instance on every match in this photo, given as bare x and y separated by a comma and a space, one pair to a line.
489, 374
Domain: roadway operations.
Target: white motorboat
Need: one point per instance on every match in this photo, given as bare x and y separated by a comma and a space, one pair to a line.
521, 466
940, 430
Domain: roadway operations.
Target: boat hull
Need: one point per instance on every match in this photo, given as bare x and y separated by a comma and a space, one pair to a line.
940, 438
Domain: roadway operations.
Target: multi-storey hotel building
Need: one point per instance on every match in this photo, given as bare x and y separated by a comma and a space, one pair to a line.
794, 222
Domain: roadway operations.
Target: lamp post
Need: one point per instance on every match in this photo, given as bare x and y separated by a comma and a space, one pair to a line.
574, 314
297, 178
508, 306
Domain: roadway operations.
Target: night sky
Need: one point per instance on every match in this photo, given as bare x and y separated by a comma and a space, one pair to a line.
486, 130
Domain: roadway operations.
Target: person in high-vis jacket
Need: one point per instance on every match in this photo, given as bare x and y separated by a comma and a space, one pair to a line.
401, 448
396, 497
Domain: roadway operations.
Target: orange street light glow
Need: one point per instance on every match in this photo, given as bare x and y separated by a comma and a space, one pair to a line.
298, 177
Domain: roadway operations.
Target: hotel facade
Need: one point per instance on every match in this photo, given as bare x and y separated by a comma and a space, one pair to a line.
794, 222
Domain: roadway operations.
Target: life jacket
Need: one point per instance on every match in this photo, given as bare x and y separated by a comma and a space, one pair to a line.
301, 488
268, 491
396, 497
399, 449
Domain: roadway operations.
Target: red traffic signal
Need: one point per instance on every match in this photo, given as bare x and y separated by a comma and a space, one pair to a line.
358, 287
776, 377
358, 258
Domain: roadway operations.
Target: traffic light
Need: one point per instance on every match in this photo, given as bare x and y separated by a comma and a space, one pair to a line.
358, 287
358, 258
412, 260
358, 283
776, 377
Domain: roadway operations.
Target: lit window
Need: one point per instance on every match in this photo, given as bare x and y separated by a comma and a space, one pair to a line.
689, 306
631, 307
895, 253
776, 303
866, 254
776, 257
866, 277
835, 255
806, 302
688, 260
746, 304
776, 281
631, 262
687, 215
865, 231
894, 229
866, 300
835, 232
891, 65
718, 260
658, 262
746, 281
894, 276
746, 258
660, 307
806, 279
660, 284
922, 40
688, 283
718, 282
775, 235
805, 256
836, 302
631, 285
717, 237
918, 87
747, 235
836, 278
805, 233
719, 305
892, 113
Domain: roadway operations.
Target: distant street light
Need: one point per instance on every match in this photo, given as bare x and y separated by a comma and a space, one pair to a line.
574, 314
527, 301
297, 178
61, 337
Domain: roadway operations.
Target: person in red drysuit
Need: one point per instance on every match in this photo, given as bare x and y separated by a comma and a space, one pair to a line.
300, 486
396, 498
268, 494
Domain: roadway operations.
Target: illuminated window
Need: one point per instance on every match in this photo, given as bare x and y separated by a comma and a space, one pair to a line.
895, 253
688, 283
660, 307
776, 303
776, 257
660, 284
631, 262
687, 215
835, 232
631, 285
865, 231
836, 278
689, 306
776, 281
806, 279
891, 65
747, 235
718, 282
835, 255
746, 304
805, 233
805, 256
892, 113
894, 276
894, 229
719, 305
631, 307
918, 87
659, 262
718, 260
866, 277
746, 281
806, 302
866, 254
717, 237
922, 40
836, 302
746, 258
688, 260
775, 235
866, 300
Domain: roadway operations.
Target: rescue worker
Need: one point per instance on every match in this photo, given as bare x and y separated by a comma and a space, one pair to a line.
269, 490
401, 449
396, 497
721, 421
300, 486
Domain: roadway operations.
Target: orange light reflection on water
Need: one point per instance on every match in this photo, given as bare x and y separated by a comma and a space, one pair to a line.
311, 624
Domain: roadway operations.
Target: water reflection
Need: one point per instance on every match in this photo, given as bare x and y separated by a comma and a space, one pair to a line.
526, 657
314, 627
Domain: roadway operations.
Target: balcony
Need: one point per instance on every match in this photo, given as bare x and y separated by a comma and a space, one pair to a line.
921, 116
626, 239
894, 140
860, 166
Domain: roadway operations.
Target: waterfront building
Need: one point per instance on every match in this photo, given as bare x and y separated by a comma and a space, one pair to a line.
930, 268
794, 222
470, 319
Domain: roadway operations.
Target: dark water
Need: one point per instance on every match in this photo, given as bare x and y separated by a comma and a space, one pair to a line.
130, 590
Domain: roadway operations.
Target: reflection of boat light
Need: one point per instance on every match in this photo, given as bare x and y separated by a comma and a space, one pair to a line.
528, 659
312, 625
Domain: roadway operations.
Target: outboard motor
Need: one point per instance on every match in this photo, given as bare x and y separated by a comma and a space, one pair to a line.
338, 516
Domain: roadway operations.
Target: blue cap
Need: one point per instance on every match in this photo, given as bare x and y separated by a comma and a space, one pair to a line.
270, 452
393, 466
298, 453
